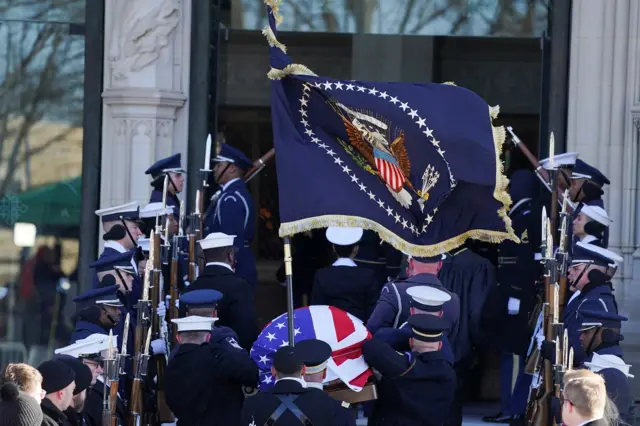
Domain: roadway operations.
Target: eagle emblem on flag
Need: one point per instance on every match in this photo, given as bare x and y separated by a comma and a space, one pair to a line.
388, 160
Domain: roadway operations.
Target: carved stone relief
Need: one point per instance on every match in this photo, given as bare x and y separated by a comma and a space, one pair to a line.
141, 30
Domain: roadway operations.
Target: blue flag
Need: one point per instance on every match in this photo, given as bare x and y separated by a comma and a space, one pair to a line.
418, 163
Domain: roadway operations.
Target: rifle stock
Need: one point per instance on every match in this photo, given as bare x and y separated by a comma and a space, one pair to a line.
173, 310
135, 404
192, 275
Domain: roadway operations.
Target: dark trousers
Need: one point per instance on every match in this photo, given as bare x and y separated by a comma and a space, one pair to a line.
462, 369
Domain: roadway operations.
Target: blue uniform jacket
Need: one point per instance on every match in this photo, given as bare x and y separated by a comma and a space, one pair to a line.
416, 388
84, 329
234, 214
594, 296
392, 309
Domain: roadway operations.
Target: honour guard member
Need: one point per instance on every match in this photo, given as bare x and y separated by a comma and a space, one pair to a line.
393, 307
236, 308
89, 351
96, 395
587, 183
121, 229
315, 355
234, 212
98, 311
591, 225
75, 413
424, 301
204, 379
203, 303
512, 300
586, 189
171, 166
590, 274
600, 338
379, 256
345, 285
290, 402
417, 387
58, 383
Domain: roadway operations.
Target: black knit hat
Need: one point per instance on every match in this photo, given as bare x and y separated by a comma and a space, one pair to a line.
56, 375
84, 376
17, 408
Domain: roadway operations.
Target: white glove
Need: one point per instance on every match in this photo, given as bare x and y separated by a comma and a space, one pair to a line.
186, 283
161, 310
177, 304
513, 306
158, 347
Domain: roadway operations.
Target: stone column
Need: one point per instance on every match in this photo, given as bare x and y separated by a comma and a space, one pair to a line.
604, 103
146, 79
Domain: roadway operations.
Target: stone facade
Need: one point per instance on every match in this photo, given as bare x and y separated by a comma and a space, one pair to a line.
146, 82
603, 125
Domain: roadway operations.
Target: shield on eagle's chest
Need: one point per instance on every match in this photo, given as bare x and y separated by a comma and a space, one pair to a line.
390, 173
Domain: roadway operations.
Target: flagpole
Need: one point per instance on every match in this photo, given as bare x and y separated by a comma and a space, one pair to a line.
289, 278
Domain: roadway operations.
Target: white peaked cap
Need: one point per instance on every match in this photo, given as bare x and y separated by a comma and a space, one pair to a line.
123, 208
565, 159
154, 209
429, 296
215, 240
600, 362
343, 236
596, 213
194, 323
93, 344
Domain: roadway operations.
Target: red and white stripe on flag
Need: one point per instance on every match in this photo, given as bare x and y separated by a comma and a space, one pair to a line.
345, 334
391, 174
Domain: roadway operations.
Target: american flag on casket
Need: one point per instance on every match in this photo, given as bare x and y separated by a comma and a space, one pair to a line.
342, 331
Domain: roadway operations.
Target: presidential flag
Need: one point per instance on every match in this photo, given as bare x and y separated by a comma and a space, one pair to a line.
341, 330
418, 163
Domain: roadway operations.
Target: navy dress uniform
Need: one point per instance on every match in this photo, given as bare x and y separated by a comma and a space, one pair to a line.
595, 223
417, 388
597, 294
158, 171
91, 314
236, 309
379, 256
203, 381
291, 402
512, 300
424, 300
94, 403
394, 304
344, 284
234, 214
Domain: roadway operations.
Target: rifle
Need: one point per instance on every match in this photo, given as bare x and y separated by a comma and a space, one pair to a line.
177, 243
143, 330
562, 255
140, 372
111, 374
159, 330
540, 172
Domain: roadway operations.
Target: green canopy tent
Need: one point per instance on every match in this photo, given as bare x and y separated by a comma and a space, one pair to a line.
54, 208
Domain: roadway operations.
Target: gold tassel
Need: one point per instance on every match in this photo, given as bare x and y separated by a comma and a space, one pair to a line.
272, 40
450, 83
501, 194
295, 69
275, 7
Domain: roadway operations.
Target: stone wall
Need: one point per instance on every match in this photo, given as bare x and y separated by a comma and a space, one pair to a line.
603, 123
